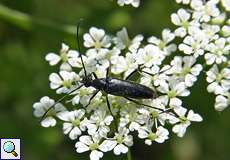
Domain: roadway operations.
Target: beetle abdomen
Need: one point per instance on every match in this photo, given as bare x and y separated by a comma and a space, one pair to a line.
128, 89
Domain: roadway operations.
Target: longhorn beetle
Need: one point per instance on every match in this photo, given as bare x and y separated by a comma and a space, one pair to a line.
114, 86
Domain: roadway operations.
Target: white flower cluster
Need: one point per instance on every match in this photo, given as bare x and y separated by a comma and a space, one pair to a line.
203, 32
94, 127
134, 3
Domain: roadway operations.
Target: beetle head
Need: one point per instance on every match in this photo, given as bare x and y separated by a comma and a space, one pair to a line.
87, 80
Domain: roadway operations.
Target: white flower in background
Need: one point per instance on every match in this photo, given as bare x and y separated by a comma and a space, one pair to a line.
124, 64
181, 19
123, 41
147, 133
120, 143
72, 123
210, 31
64, 83
67, 56
185, 121
88, 143
226, 30
172, 89
134, 3
222, 101
195, 44
99, 122
119, 64
150, 55
186, 69
226, 4
41, 107
167, 37
183, 1
158, 75
131, 117
96, 38
219, 80
102, 58
205, 11
219, 20
218, 51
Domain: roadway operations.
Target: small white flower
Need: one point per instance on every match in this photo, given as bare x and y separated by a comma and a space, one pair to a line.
186, 69
150, 55
173, 89
134, 3
67, 56
64, 83
204, 11
210, 31
145, 132
183, 1
222, 101
96, 38
99, 123
181, 19
195, 43
217, 52
185, 121
119, 143
219, 81
41, 107
73, 123
123, 41
88, 143
226, 4
226, 30
124, 64
159, 76
167, 37
131, 117
119, 64
219, 20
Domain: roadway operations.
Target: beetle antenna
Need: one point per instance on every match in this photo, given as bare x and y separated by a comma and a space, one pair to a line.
43, 116
78, 44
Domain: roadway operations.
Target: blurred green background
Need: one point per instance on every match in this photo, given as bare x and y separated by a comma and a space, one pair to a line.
24, 42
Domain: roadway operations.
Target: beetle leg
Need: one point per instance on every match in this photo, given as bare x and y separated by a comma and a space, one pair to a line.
139, 103
132, 73
146, 73
139, 70
94, 74
107, 71
108, 104
91, 98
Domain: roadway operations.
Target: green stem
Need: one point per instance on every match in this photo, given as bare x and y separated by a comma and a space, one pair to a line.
29, 23
129, 155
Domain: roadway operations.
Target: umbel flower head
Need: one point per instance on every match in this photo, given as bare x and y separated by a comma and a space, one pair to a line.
99, 122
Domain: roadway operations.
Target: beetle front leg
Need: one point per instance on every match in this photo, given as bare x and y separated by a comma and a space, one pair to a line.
94, 74
108, 104
138, 69
107, 71
91, 98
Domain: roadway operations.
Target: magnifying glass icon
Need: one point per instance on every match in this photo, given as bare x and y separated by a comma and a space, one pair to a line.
9, 147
